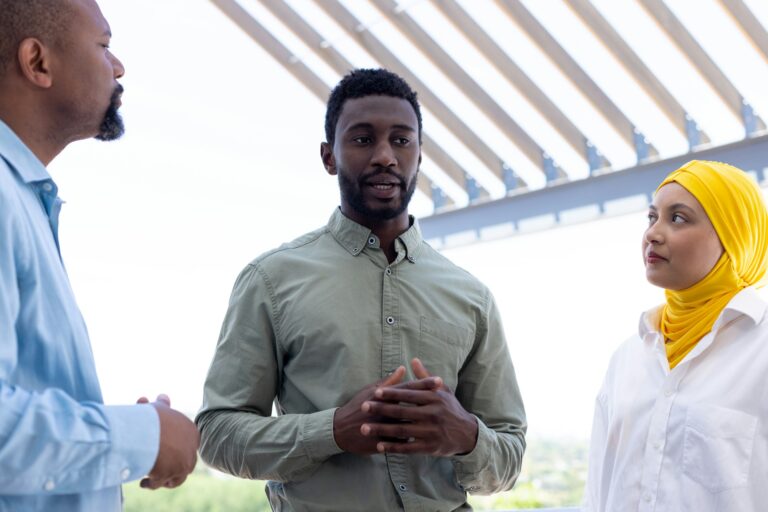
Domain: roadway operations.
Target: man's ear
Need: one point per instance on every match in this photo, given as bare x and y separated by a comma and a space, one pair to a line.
34, 59
329, 161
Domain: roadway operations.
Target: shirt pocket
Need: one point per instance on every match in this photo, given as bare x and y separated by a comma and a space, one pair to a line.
717, 447
443, 348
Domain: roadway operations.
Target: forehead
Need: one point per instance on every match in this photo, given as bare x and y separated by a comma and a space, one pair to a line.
674, 193
380, 111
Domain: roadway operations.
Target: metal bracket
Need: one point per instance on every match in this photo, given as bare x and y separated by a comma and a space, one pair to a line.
749, 118
642, 148
473, 191
438, 197
510, 177
692, 132
550, 169
594, 158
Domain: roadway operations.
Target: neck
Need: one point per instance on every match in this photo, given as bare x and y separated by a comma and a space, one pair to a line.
33, 125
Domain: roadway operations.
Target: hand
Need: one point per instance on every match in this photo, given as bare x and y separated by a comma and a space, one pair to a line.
350, 416
423, 415
179, 440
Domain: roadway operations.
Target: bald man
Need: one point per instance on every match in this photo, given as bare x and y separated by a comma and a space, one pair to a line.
61, 448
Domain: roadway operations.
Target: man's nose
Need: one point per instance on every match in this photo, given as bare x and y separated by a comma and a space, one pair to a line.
118, 67
384, 155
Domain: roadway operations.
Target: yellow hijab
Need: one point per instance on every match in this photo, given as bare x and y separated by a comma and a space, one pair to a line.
734, 204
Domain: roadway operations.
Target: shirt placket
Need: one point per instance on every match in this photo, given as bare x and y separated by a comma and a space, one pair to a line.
653, 455
391, 358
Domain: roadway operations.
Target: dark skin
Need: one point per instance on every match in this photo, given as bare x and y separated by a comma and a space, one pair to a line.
52, 96
376, 150
55, 95
422, 416
375, 134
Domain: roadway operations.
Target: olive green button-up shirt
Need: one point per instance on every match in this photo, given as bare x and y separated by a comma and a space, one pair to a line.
314, 321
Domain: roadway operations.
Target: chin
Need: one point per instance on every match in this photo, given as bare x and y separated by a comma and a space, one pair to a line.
655, 281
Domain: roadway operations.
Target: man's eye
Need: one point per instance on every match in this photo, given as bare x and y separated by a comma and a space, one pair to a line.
402, 141
362, 140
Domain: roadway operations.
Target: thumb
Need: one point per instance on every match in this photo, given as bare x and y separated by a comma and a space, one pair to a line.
162, 397
418, 369
395, 377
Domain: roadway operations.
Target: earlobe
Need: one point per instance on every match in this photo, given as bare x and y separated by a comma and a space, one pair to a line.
34, 62
329, 161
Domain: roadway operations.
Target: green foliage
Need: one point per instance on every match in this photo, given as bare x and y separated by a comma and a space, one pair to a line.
200, 493
553, 475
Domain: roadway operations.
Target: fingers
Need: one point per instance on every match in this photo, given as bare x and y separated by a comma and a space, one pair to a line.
410, 396
155, 483
418, 369
410, 446
393, 411
395, 377
429, 383
407, 432
142, 400
162, 397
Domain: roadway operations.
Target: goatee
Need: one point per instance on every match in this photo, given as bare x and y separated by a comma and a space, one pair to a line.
112, 127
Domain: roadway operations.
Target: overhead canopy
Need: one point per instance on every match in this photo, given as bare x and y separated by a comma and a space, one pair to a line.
527, 95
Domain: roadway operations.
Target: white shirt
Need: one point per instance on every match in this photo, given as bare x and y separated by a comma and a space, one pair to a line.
691, 439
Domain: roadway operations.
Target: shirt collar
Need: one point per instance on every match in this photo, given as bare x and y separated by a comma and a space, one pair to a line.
354, 237
747, 302
20, 157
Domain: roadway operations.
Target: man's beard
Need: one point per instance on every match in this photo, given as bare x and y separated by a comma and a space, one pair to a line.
352, 192
112, 127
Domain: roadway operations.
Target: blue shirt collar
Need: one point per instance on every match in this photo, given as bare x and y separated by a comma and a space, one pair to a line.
20, 157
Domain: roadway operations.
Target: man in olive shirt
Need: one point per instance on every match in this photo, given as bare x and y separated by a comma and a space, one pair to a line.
387, 364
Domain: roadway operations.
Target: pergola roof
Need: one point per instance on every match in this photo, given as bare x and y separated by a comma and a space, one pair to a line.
527, 95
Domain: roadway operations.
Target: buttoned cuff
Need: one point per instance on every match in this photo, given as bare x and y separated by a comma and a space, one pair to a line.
470, 465
317, 435
135, 436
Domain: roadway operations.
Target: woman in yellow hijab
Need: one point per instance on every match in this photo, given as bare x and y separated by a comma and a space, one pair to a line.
681, 421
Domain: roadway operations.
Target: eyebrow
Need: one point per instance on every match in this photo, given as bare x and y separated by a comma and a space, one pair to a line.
369, 126
676, 206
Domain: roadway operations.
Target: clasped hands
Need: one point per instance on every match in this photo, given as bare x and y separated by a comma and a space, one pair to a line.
177, 454
422, 416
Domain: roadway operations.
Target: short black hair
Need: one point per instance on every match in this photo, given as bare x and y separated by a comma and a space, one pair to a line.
367, 82
46, 20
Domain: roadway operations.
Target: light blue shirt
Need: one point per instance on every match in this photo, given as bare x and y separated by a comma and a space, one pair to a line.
61, 449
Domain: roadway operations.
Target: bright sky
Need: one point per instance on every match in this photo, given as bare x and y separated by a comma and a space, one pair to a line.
221, 163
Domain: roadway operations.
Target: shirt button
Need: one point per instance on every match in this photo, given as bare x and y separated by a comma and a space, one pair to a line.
355, 250
124, 474
47, 187
49, 485
388, 271
647, 497
371, 241
669, 392
411, 259
657, 446
390, 320
403, 487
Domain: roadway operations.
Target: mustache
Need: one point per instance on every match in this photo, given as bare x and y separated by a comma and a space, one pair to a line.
382, 170
117, 92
